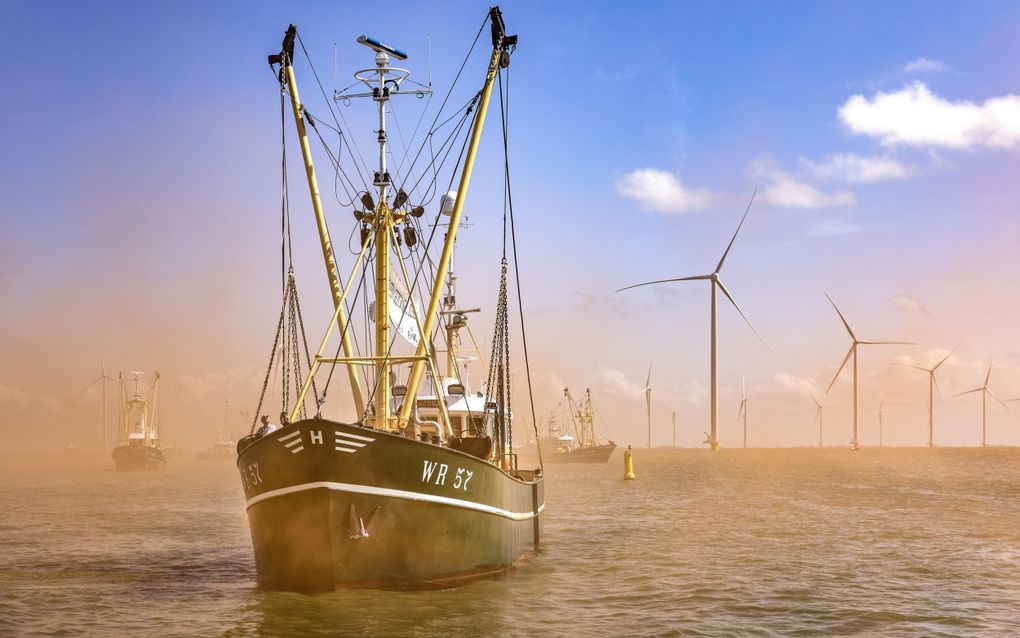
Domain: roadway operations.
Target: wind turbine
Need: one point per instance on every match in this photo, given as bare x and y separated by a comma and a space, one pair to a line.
855, 440
932, 384
102, 378
715, 282
880, 425
984, 401
648, 402
742, 413
818, 418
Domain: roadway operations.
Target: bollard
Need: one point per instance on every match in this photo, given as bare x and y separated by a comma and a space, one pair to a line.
628, 465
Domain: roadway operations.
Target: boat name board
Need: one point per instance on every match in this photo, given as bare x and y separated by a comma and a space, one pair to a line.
436, 472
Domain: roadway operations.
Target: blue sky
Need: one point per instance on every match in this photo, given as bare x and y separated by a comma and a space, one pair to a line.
139, 188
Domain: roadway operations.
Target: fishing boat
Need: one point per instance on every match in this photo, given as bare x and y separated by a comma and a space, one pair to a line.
587, 447
572, 434
222, 450
138, 442
417, 491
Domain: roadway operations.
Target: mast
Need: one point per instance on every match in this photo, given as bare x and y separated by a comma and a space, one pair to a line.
285, 58
589, 414
501, 44
103, 372
154, 414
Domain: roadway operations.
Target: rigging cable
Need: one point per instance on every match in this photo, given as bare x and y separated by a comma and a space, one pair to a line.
504, 116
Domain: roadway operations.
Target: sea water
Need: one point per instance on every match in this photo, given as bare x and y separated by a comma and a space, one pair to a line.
795, 542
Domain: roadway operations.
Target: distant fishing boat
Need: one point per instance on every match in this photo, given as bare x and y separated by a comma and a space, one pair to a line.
138, 442
571, 435
587, 447
418, 491
222, 450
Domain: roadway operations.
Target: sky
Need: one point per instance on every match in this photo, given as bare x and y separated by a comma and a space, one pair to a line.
140, 202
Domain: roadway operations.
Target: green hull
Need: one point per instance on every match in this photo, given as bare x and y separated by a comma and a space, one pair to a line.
336, 506
138, 457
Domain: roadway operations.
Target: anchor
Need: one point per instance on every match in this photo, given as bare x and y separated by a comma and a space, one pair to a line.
358, 528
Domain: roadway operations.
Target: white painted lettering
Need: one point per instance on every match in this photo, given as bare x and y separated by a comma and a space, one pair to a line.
316, 437
426, 473
441, 477
469, 475
457, 480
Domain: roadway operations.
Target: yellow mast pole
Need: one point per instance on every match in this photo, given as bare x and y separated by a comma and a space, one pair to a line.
320, 218
382, 318
500, 42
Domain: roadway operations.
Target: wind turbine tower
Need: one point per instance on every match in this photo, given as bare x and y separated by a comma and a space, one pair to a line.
855, 439
715, 284
984, 404
648, 403
102, 378
932, 385
880, 425
818, 418
742, 414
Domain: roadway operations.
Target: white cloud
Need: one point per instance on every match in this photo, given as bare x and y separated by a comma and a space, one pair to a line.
832, 227
796, 385
661, 192
924, 65
779, 188
617, 382
915, 116
929, 358
12, 397
856, 169
909, 305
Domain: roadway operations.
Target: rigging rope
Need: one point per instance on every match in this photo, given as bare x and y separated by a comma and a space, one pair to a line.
509, 203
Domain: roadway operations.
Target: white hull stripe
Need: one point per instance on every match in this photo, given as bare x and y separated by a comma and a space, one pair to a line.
351, 443
357, 437
287, 436
297, 449
392, 493
343, 449
291, 443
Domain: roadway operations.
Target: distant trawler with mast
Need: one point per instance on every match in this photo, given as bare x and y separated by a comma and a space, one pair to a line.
138, 441
585, 445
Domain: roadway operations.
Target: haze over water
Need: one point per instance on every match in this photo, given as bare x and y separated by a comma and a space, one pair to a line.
891, 542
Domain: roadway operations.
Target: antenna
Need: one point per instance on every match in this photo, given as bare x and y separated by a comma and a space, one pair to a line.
334, 68
428, 39
379, 47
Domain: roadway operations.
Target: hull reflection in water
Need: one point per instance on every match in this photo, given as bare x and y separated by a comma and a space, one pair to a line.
336, 506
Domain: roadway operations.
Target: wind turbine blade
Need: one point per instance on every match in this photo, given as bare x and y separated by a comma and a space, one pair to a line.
875, 342
906, 365
968, 392
648, 379
841, 366
818, 415
734, 238
946, 358
664, 281
815, 400
82, 391
935, 380
997, 398
989, 375
746, 320
842, 318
